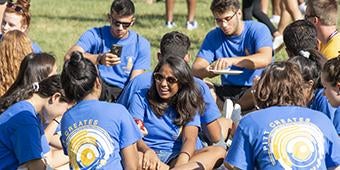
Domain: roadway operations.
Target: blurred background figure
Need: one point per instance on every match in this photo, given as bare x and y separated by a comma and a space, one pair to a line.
169, 12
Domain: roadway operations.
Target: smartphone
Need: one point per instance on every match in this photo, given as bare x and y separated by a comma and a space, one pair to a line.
116, 49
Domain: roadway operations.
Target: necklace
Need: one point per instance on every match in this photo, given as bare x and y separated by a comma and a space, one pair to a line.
332, 35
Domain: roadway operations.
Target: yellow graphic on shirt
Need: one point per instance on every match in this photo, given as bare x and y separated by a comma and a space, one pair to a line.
89, 147
297, 145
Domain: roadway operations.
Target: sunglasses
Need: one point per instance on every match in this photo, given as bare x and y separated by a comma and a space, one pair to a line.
226, 19
159, 78
118, 23
17, 8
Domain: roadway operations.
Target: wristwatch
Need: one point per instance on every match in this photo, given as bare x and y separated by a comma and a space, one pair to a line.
2, 1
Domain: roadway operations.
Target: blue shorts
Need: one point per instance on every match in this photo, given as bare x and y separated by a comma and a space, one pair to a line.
166, 156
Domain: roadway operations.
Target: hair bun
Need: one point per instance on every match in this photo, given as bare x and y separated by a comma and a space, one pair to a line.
24, 3
76, 58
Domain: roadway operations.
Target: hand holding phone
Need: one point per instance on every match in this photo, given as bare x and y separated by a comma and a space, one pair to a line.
116, 49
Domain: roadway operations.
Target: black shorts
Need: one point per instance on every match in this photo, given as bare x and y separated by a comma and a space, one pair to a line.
110, 93
230, 92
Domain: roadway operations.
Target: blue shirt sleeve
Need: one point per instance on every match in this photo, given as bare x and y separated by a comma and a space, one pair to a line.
28, 140
211, 111
129, 133
143, 60
207, 49
90, 41
137, 106
336, 120
240, 150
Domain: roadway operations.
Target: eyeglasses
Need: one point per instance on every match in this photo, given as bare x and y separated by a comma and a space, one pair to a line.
159, 78
17, 8
118, 23
226, 19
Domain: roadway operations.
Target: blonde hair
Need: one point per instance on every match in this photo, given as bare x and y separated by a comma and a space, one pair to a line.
15, 45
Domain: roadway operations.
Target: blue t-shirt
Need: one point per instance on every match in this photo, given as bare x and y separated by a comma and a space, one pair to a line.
22, 137
217, 45
163, 134
320, 103
285, 137
135, 53
336, 120
144, 81
93, 133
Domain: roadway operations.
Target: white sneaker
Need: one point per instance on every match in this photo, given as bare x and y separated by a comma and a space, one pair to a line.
192, 25
275, 19
302, 8
228, 108
170, 24
278, 43
236, 114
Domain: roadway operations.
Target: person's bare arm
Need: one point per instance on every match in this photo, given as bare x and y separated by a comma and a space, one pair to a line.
107, 59
260, 59
135, 73
36, 164
130, 157
199, 68
189, 142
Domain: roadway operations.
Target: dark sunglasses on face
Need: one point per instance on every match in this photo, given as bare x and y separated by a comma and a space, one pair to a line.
17, 8
159, 78
118, 23
226, 19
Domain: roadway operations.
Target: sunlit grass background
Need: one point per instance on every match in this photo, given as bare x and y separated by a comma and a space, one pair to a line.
57, 24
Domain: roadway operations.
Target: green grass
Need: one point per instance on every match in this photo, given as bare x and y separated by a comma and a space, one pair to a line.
57, 25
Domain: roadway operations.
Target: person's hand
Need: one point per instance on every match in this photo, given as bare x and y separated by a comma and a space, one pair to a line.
109, 59
221, 64
151, 160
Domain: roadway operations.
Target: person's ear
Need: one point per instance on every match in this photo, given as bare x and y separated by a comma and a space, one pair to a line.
24, 28
310, 83
109, 17
338, 87
54, 98
187, 57
159, 55
133, 21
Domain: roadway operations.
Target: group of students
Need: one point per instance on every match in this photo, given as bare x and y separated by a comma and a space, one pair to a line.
104, 112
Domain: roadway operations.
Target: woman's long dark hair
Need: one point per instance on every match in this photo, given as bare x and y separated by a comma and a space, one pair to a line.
188, 100
33, 68
78, 76
46, 88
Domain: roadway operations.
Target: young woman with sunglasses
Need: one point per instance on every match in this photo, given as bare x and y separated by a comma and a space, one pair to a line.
18, 17
284, 134
116, 69
170, 110
104, 132
22, 139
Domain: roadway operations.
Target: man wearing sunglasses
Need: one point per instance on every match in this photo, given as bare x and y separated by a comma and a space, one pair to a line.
324, 15
237, 45
100, 44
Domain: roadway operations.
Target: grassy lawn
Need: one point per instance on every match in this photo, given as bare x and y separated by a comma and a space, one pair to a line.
57, 25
